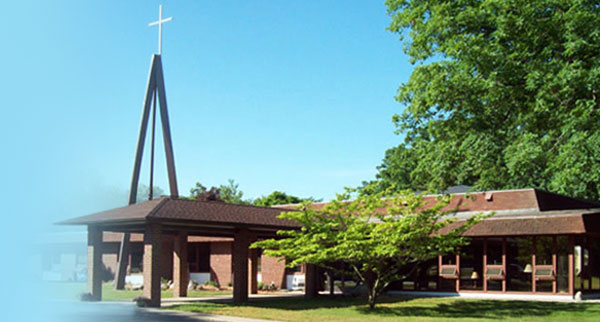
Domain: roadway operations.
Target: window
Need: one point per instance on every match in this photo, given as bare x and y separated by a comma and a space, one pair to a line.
494, 272
137, 260
471, 266
562, 264
494, 251
449, 272
199, 257
544, 273
519, 264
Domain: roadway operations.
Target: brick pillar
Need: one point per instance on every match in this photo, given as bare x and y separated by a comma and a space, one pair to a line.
310, 281
240, 266
181, 274
94, 263
253, 271
152, 249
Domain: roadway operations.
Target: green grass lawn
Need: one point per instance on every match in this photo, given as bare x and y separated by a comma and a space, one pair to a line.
72, 291
402, 308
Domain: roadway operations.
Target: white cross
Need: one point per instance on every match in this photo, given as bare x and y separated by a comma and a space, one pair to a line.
160, 22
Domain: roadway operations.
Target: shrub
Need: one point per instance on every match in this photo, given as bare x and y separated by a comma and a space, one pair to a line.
141, 301
212, 283
272, 287
260, 285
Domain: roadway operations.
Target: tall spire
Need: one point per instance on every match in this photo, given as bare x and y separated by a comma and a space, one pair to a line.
155, 98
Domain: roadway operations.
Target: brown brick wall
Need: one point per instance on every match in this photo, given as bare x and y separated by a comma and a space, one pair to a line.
273, 271
220, 262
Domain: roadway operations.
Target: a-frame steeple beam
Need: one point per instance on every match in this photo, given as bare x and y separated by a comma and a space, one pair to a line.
154, 91
166, 128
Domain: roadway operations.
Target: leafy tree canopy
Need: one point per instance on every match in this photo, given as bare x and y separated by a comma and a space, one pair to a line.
380, 239
279, 198
504, 95
231, 193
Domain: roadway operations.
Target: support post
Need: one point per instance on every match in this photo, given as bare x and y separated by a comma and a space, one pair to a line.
458, 272
533, 260
571, 265
439, 284
504, 264
181, 274
554, 251
310, 281
240, 266
94, 263
122, 262
253, 271
484, 273
152, 250
331, 282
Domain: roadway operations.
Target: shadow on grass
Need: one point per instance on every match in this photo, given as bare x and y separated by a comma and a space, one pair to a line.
488, 309
405, 307
293, 304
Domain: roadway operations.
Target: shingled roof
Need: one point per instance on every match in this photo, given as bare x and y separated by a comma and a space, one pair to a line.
166, 209
517, 212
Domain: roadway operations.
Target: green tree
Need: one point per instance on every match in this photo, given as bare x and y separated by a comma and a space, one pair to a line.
279, 198
504, 95
231, 193
378, 238
197, 191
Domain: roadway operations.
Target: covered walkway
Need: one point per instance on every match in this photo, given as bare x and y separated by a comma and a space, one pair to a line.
182, 218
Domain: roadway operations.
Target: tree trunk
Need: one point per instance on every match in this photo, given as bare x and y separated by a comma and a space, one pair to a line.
372, 299
371, 283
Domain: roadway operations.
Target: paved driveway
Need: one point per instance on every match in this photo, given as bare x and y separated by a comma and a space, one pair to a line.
68, 311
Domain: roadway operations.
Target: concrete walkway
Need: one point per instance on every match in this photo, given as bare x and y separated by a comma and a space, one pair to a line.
228, 299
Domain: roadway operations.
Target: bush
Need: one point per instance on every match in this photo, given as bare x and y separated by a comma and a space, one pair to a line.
272, 287
212, 283
141, 301
260, 285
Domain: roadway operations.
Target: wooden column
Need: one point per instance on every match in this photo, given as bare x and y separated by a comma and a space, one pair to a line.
458, 273
439, 286
181, 274
483, 274
331, 282
152, 250
310, 281
571, 265
554, 264
240, 266
533, 253
504, 264
253, 271
124, 257
94, 263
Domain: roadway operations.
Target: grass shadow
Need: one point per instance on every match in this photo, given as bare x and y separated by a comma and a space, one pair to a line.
488, 309
406, 307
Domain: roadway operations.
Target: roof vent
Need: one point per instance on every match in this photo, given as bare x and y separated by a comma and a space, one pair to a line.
489, 196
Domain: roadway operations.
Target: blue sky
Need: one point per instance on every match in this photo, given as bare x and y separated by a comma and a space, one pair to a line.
294, 96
